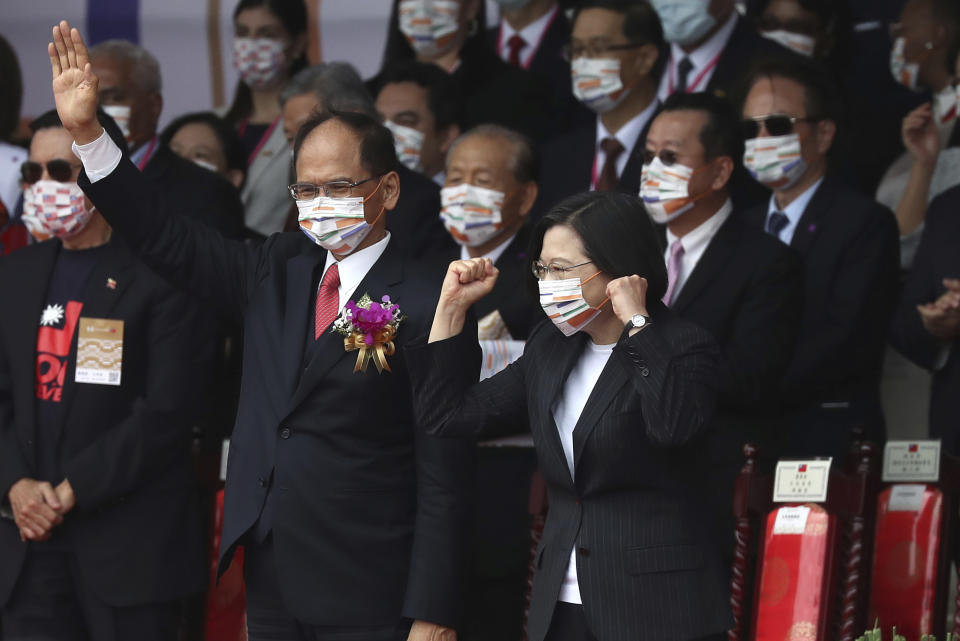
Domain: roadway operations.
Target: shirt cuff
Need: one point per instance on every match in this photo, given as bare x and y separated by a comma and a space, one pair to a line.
942, 356
99, 157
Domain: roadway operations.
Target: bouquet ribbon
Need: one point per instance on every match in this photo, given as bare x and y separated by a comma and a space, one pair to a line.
378, 351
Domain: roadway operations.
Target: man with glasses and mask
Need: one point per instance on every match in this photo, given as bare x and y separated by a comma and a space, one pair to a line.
736, 282
615, 60
849, 246
353, 524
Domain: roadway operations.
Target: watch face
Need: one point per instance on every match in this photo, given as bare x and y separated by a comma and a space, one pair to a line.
639, 320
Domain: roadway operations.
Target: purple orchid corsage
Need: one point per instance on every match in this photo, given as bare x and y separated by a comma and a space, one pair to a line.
369, 327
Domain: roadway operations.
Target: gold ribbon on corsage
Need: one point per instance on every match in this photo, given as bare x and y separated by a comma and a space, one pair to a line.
377, 352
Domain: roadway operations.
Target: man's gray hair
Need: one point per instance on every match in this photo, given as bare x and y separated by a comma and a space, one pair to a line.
337, 84
145, 68
523, 163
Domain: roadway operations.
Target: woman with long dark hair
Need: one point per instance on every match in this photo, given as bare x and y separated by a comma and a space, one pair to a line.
270, 41
616, 392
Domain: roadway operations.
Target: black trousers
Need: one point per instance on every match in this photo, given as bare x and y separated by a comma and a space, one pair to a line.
51, 603
267, 616
570, 624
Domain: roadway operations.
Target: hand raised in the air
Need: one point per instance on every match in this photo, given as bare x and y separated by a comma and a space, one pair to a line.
74, 84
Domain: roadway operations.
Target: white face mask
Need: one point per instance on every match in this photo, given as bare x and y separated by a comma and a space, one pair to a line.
563, 303
121, 116
684, 21
471, 214
429, 25
52, 208
906, 73
596, 83
260, 62
797, 42
206, 165
665, 191
775, 161
336, 224
408, 143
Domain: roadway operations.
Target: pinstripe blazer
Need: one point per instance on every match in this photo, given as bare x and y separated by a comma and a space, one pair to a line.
644, 563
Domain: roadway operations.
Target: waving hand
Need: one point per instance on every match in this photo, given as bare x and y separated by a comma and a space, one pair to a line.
74, 84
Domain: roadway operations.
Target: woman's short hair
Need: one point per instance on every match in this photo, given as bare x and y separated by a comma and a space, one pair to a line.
617, 236
229, 140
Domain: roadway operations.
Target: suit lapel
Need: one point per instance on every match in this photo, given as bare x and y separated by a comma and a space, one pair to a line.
300, 296
559, 363
810, 221
721, 249
385, 273
608, 385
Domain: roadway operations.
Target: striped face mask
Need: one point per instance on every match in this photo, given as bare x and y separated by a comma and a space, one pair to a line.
563, 303
775, 161
665, 191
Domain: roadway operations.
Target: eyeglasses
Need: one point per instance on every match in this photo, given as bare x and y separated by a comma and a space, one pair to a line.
667, 156
59, 170
541, 271
595, 50
776, 125
334, 189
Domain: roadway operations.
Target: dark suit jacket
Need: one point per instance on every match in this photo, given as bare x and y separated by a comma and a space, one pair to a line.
415, 222
125, 449
196, 192
513, 295
937, 258
744, 47
850, 250
566, 166
367, 513
644, 565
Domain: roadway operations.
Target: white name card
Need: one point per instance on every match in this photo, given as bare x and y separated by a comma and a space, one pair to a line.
906, 498
912, 461
801, 481
791, 520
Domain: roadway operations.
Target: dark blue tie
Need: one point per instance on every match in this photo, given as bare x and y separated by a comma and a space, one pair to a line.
683, 70
776, 222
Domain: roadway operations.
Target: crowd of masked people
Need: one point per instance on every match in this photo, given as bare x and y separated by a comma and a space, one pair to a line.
737, 216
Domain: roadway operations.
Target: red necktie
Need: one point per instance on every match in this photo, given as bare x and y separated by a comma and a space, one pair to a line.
328, 300
516, 43
608, 175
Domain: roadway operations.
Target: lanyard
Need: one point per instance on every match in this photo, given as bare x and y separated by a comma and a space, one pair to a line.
263, 139
697, 79
526, 65
146, 157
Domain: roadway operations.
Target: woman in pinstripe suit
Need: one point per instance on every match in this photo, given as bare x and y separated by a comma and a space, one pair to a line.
616, 392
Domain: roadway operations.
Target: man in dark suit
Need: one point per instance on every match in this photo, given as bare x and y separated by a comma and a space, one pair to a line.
604, 155
927, 322
104, 534
849, 246
738, 283
353, 523
532, 35
130, 88
493, 162
414, 222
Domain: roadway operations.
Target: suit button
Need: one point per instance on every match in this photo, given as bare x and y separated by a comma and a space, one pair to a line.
644, 371
285, 433
584, 552
262, 481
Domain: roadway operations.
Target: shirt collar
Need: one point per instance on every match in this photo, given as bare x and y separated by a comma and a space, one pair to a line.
494, 254
140, 153
531, 34
354, 267
629, 134
793, 211
709, 50
695, 241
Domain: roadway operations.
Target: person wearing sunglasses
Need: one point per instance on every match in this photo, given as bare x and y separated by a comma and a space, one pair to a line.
102, 365
614, 52
617, 393
849, 247
354, 526
736, 282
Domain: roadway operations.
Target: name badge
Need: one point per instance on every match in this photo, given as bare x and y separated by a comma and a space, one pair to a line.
906, 498
913, 461
99, 351
791, 520
804, 481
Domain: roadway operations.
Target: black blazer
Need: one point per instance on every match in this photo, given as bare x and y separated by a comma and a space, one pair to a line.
645, 566
196, 192
367, 514
513, 295
415, 222
136, 529
850, 250
937, 258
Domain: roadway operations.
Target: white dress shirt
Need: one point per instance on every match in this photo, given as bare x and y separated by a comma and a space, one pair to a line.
695, 242
494, 254
532, 34
793, 211
628, 135
704, 59
566, 413
354, 268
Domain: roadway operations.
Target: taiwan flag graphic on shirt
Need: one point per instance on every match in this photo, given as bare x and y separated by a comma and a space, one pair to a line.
58, 326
